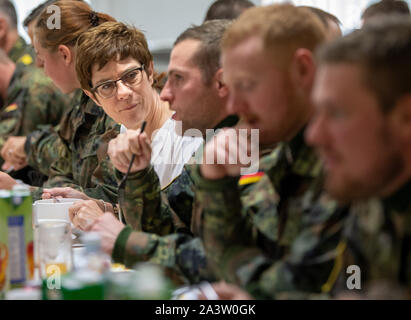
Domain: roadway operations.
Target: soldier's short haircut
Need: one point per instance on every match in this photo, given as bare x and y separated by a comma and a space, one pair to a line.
382, 50
386, 7
324, 16
283, 28
207, 56
8, 9
227, 9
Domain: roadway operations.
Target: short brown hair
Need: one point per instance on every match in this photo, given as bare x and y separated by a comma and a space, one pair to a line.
383, 52
227, 9
324, 16
207, 56
386, 7
109, 41
8, 9
76, 18
283, 29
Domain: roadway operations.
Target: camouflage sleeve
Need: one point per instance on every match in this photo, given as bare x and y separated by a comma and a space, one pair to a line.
103, 185
143, 204
43, 105
223, 225
2, 142
234, 255
62, 176
43, 147
38, 105
103, 181
95, 175
10, 122
181, 253
311, 267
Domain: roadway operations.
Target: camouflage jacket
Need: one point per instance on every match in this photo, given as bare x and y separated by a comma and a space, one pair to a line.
32, 100
257, 237
45, 146
165, 219
22, 52
375, 250
84, 141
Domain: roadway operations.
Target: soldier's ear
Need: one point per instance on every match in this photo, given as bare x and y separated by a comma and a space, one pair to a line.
150, 72
92, 97
3, 28
302, 69
65, 53
221, 87
400, 118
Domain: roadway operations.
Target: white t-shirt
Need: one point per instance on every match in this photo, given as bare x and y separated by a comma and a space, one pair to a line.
170, 151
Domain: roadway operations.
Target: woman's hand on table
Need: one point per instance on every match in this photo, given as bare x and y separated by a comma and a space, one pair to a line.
109, 228
84, 213
66, 192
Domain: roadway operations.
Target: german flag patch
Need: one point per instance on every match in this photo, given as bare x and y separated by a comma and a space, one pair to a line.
250, 178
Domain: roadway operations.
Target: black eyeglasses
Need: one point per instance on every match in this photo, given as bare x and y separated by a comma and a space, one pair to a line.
131, 79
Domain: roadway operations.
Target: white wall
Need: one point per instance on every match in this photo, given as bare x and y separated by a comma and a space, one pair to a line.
161, 20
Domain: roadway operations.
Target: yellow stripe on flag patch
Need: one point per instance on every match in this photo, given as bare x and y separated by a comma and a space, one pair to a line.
11, 107
250, 178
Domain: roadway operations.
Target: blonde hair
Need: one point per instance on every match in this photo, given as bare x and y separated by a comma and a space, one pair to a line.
76, 18
283, 28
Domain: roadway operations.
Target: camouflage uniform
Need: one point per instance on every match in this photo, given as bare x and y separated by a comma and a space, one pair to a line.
261, 238
32, 100
22, 52
373, 235
377, 239
84, 138
165, 218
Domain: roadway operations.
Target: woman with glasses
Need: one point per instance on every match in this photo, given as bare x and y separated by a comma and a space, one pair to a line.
115, 69
119, 76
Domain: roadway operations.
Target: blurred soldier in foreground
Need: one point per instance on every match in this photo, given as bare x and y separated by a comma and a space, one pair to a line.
362, 131
249, 235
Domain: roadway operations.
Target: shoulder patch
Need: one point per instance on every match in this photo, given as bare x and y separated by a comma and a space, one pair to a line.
11, 107
26, 59
250, 178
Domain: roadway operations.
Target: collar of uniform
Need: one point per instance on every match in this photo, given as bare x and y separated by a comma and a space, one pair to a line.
230, 121
300, 158
305, 161
400, 201
89, 106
